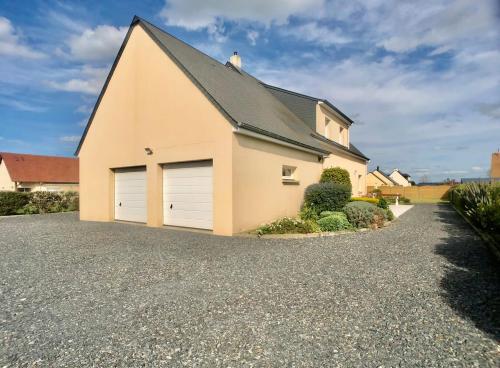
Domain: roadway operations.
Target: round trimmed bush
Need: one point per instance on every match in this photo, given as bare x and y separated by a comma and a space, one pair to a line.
364, 214
336, 175
327, 197
334, 222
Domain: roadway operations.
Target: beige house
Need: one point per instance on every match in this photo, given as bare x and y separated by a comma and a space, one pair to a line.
177, 138
377, 178
401, 178
30, 173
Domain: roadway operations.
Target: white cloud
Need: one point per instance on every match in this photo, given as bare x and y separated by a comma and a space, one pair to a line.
252, 36
316, 33
70, 138
91, 84
11, 44
197, 14
477, 168
98, 44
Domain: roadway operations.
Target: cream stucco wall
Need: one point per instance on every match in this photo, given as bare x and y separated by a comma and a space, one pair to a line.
357, 170
259, 194
373, 181
5, 183
334, 125
151, 103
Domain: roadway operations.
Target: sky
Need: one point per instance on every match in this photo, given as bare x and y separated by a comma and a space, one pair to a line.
420, 79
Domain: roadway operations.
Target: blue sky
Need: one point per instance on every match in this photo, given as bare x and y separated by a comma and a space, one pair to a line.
420, 79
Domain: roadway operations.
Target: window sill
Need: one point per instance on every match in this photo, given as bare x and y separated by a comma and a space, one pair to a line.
290, 181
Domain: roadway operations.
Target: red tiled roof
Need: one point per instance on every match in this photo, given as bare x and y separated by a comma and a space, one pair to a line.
40, 169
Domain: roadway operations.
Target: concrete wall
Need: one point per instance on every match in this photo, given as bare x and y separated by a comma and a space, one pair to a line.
357, 170
259, 194
151, 103
5, 183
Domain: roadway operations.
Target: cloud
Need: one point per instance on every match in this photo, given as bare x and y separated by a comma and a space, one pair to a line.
252, 36
97, 44
70, 138
491, 110
316, 33
11, 44
197, 14
477, 168
21, 105
91, 84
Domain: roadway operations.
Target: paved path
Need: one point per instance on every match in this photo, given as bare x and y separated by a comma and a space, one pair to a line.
421, 293
399, 209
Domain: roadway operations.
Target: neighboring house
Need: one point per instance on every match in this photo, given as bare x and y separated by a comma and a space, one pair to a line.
177, 138
495, 165
401, 178
28, 173
377, 178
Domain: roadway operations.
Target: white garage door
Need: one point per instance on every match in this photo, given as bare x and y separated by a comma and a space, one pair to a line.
187, 194
130, 195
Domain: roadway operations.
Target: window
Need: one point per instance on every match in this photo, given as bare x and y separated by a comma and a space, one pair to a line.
288, 174
341, 135
327, 128
24, 189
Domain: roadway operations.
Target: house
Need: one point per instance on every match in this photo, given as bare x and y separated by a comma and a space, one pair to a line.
378, 178
177, 138
495, 165
29, 173
401, 178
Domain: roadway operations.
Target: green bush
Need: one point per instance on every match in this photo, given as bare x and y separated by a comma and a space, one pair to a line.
289, 225
334, 222
20, 203
327, 197
480, 203
11, 202
364, 214
382, 203
308, 213
326, 213
388, 214
336, 175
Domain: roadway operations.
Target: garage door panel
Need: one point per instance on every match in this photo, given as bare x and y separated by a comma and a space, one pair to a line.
187, 194
130, 195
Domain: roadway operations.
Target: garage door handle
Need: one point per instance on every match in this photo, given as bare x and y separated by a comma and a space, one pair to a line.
171, 205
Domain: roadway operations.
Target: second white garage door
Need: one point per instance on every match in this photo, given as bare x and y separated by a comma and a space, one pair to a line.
188, 194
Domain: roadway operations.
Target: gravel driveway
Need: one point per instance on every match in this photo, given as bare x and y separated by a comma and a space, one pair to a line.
423, 292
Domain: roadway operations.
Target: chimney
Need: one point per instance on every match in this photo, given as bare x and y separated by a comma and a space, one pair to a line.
235, 59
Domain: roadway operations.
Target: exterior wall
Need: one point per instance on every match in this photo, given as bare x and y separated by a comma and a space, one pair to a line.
259, 194
357, 170
151, 103
400, 179
495, 165
373, 181
5, 183
322, 114
50, 187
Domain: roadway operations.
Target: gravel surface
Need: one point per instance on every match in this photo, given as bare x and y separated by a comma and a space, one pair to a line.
423, 292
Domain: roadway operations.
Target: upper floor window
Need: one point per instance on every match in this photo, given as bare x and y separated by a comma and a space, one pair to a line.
327, 128
341, 135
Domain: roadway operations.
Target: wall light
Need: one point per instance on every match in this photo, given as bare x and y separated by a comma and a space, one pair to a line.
148, 150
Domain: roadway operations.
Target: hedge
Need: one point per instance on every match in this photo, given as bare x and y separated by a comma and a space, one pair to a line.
19, 203
326, 197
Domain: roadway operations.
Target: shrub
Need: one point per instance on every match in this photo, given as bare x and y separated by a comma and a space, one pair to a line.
377, 192
46, 202
327, 197
365, 199
388, 214
289, 225
334, 222
382, 203
326, 213
336, 175
308, 213
364, 214
11, 202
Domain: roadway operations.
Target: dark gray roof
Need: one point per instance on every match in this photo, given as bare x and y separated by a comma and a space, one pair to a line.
243, 99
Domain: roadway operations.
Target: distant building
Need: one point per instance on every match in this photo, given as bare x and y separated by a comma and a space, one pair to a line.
495, 165
401, 178
378, 178
30, 173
